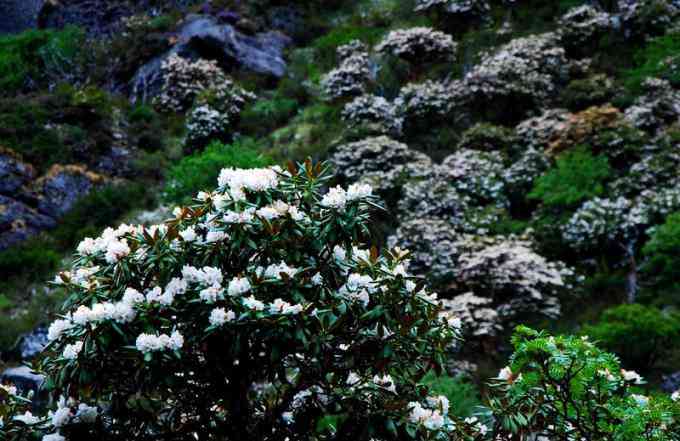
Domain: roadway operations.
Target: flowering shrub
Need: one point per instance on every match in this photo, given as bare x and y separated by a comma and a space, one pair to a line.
600, 221
477, 8
508, 283
476, 174
352, 75
566, 388
424, 100
216, 111
253, 313
184, 80
582, 25
433, 244
373, 111
527, 70
418, 45
380, 161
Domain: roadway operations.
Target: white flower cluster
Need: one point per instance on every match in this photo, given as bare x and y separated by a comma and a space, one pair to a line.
374, 112
110, 243
239, 180
204, 122
433, 416
67, 412
419, 44
352, 75
153, 343
358, 287
338, 198
473, 8
424, 100
184, 80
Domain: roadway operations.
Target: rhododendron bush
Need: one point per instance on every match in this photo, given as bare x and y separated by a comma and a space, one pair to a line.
253, 314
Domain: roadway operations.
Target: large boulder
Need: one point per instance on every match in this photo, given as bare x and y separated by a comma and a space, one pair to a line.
61, 187
204, 36
18, 222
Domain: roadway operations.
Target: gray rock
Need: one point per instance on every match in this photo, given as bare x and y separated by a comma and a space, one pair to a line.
61, 188
671, 382
18, 222
14, 173
204, 36
23, 378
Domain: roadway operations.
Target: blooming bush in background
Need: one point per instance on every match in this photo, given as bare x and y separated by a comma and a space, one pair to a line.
352, 75
184, 80
253, 314
418, 45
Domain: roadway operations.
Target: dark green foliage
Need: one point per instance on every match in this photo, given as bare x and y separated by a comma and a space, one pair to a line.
587, 92
659, 58
639, 334
327, 45
264, 116
200, 171
488, 137
31, 255
662, 251
65, 126
311, 133
567, 387
27, 59
146, 128
576, 176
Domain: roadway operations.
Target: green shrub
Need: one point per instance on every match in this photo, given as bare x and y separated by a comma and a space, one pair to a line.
662, 252
264, 116
639, 334
64, 126
458, 390
576, 176
199, 171
327, 45
567, 388
28, 58
146, 129
31, 258
659, 58
583, 93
